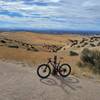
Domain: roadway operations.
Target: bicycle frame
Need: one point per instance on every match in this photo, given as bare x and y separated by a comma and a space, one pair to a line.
54, 63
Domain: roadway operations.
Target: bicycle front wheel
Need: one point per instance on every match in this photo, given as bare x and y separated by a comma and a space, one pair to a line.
64, 70
43, 71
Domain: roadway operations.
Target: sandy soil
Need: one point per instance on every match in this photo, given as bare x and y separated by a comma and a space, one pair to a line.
18, 81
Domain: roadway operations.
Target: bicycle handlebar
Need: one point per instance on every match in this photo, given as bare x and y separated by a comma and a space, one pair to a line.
49, 59
55, 59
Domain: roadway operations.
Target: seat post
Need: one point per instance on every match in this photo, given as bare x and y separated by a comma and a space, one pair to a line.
55, 60
55, 66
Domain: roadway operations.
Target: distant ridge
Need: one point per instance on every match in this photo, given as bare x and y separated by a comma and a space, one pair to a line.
80, 32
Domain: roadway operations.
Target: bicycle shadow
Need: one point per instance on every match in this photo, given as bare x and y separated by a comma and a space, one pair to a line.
70, 82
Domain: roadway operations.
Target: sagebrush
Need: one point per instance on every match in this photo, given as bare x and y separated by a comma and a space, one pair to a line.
90, 58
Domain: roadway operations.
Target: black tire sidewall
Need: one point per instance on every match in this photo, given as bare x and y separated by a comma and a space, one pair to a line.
39, 69
68, 70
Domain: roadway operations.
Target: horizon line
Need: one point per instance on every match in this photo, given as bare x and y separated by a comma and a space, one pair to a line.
46, 30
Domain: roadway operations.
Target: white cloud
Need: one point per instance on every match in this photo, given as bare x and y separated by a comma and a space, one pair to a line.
54, 0
59, 13
91, 3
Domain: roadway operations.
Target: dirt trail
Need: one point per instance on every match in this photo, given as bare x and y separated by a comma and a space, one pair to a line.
20, 82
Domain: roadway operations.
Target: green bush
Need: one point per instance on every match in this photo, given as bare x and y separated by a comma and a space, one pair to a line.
90, 58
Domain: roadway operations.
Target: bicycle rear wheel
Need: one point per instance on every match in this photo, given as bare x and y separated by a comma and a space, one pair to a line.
64, 70
43, 71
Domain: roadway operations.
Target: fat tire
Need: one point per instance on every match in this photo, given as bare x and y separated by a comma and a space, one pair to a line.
39, 69
69, 71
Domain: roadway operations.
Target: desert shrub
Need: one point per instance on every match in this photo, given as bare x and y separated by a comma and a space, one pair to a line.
92, 45
80, 64
73, 53
3, 41
32, 49
90, 58
13, 46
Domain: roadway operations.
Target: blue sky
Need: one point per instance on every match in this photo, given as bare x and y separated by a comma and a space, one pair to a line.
50, 14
